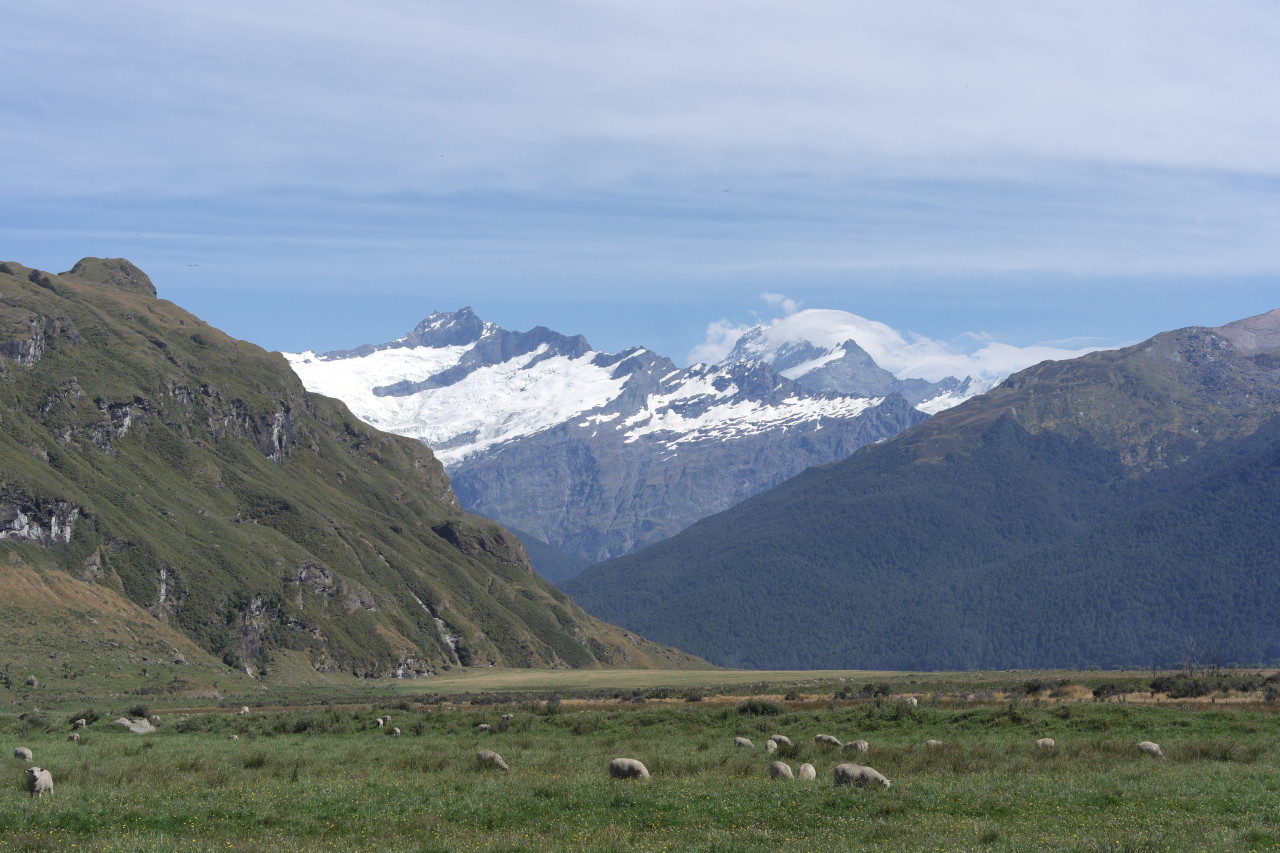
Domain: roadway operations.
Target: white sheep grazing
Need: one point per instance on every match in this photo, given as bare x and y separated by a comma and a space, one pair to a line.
74, 737
827, 740
395, 731
743, 742
1046, 743
80, 723
22, 754
1151, 748
489, 758
39, 781
934, 744
233, 737
771, 746
911, 701
856, 774
807, 771
385, 719
856, 746
506, 718
628, 768
381, 722
244, 710
780, 739
781, 770
483, 727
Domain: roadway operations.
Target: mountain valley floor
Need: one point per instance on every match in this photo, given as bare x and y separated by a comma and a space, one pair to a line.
316, 772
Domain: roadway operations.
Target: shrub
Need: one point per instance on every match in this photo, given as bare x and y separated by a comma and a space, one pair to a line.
759, 708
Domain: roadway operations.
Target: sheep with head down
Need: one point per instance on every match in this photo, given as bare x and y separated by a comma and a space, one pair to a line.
489, 758
22, 754
856, 774
780, 739
780, 770
628, 768
743, 743
827, 740
1152, 749
1046, 743
770, 746
856, 746
808, 771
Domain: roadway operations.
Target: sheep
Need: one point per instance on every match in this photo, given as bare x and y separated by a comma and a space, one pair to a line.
489, 758
80, 723
233, 737
780, 770
506, 718
22, 754
74, 737
385, 720
807, 771
934, 744
381, 722
1046, 743
1151, 748
856, 774
39, 781
827, 740
395, 731
628, 768
243, 710
743, 742
910, 701
780, 739
771, 746
483, 727
856, 746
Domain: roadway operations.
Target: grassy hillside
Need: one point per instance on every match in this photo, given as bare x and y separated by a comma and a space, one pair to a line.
151, 454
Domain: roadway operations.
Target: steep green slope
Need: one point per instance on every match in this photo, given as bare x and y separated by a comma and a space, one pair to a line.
193, 472
1110, 509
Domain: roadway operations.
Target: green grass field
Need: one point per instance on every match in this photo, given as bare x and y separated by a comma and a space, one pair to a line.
327, 779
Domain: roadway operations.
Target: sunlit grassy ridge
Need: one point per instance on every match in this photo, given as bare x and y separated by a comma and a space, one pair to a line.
329, 779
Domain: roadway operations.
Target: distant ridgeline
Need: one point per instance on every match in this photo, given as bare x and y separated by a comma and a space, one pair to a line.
1119, 508
146, 452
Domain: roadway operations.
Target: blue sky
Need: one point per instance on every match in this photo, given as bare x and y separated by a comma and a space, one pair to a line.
318, 175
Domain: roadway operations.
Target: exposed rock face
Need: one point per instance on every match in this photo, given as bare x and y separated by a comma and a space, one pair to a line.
137, 725
195, 475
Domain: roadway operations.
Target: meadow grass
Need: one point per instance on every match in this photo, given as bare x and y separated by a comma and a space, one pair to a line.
328, 779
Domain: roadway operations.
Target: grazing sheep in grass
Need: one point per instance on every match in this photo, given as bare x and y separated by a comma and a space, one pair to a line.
395, 732
827, 740
74, 737
807, 771
39, 781
483, 727
781, 770
780, 739
934, 744
22, 754
80, 723
233, 737
771, 746
856, 746
743, 742
856, 774
506, 718
381, 722
911, 701
628, 768
489, 758
244, 710
384, 720
1151, 748
1046, 743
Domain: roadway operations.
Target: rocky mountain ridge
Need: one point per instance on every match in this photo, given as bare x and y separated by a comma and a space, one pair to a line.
148, 452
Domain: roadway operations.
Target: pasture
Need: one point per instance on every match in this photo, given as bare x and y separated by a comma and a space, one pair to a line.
327, 779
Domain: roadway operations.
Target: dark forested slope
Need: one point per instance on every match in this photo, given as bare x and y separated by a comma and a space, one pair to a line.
1110, 509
